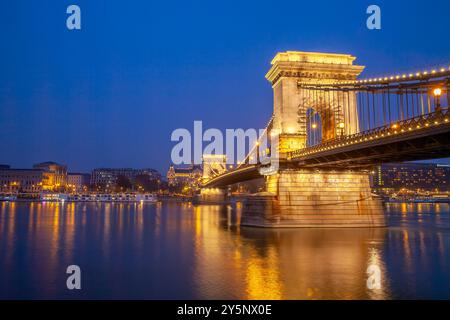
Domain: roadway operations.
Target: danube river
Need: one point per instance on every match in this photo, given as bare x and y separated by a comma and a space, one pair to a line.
181, 251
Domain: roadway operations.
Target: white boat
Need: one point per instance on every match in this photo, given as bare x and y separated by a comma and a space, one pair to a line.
107, 197
8, 197
146, 198
54, 197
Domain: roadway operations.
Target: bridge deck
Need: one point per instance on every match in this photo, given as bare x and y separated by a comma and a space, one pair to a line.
420, 138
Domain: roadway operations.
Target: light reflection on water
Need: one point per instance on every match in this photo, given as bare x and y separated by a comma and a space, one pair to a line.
181, 251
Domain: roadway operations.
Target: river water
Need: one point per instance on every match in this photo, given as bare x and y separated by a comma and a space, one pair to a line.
181, 251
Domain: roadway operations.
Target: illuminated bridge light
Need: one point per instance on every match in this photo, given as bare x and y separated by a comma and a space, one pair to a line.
437, 92
442, 70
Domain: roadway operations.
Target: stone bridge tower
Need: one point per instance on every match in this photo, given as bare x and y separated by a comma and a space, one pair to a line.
301, 197
337, 110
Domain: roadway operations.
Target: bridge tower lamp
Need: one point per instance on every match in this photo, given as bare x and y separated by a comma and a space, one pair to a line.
313, 122
313, 127
437, 94
341, 127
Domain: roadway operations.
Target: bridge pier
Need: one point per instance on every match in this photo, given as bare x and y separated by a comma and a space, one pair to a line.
211, 196
313, 198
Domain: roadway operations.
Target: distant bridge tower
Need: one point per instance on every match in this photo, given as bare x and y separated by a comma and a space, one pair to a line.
213, 164
337, 110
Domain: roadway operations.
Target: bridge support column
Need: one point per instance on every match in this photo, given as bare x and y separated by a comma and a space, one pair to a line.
312, 198
211, 195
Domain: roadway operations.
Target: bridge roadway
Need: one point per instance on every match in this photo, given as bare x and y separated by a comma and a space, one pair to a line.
420, 138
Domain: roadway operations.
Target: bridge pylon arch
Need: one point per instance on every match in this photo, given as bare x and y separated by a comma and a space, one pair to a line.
292, 69
300, 197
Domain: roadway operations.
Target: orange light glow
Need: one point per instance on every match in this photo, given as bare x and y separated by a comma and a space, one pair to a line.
437, 92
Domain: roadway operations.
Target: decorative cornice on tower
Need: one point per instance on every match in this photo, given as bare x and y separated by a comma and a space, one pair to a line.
313, 65
313, 57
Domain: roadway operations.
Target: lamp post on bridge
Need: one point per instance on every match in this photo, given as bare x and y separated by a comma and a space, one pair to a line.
437, 94
314, 127
341, 127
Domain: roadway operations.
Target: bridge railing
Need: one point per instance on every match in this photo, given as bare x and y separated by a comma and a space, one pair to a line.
383, 105
435, 118
346, 107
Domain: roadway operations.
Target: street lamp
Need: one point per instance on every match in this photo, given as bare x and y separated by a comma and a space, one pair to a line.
341, 126
437, 94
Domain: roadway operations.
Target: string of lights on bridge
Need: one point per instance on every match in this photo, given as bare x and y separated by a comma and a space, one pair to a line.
435, 119
401, 77
393, 127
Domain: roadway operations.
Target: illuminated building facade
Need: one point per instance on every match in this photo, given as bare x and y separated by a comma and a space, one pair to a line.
77, 182
412, 176
189, 175
54, 175
21, 180
107, 177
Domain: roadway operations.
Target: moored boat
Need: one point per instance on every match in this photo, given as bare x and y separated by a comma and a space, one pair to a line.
8, 197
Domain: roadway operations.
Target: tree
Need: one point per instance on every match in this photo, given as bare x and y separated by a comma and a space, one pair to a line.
146, 183
176, 188
123, 183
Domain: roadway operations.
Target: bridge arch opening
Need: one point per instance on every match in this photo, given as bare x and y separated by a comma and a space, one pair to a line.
313, 127
320, 117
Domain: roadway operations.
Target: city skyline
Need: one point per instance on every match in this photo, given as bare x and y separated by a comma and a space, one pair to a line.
120, 97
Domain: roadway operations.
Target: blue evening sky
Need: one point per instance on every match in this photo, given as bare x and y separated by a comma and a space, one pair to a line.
110, 94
